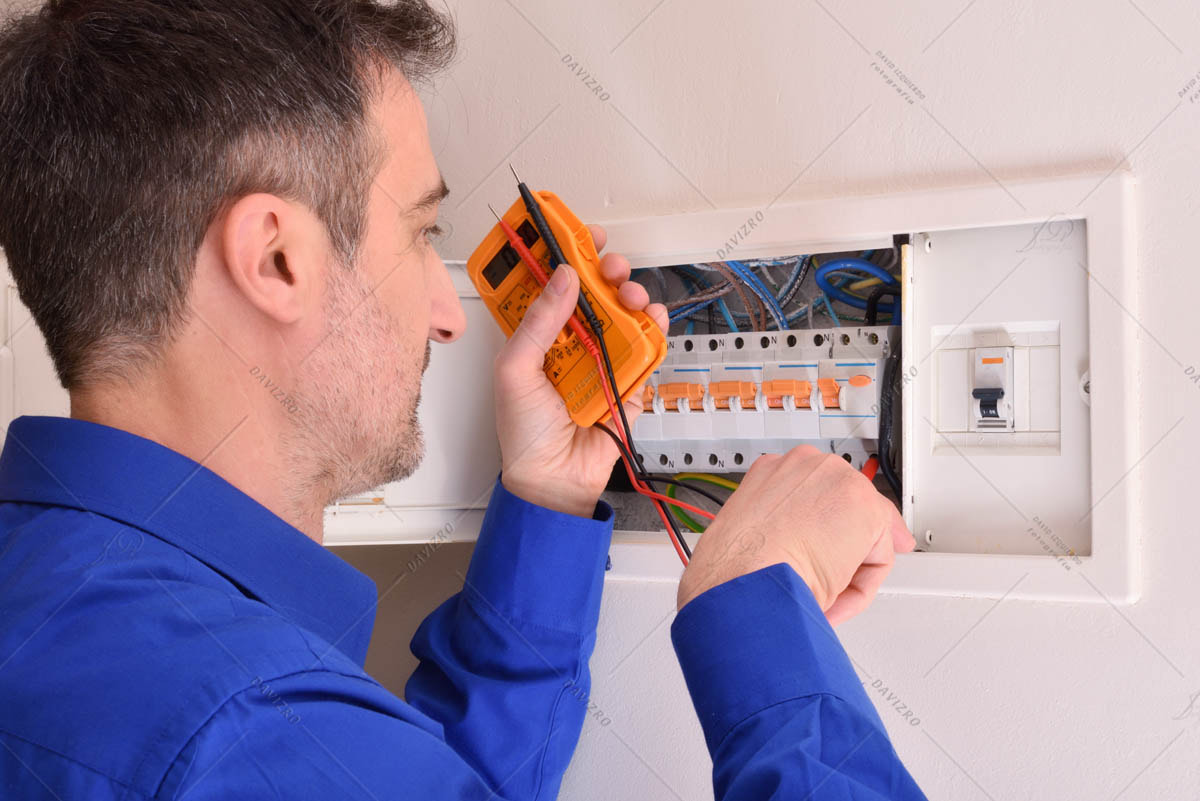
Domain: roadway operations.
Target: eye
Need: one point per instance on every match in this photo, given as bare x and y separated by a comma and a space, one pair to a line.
432, 233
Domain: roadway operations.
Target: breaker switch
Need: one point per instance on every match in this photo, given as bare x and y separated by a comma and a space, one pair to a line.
672, 394
648, 398
723, 391
775, 391
992, 390
829, 392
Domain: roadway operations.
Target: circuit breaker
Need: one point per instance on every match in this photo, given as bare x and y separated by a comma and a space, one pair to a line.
720, 401
998, 385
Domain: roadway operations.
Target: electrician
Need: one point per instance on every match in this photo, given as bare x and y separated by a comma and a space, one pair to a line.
220, 214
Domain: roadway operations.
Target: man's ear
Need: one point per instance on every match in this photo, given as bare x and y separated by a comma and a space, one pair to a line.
274, 251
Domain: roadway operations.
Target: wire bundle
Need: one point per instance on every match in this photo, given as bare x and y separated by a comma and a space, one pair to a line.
839, 281
836, 292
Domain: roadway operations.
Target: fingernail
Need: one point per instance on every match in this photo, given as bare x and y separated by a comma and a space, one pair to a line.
559, 281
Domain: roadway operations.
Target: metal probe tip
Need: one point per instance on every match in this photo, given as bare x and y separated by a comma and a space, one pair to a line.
514, 172
493, 211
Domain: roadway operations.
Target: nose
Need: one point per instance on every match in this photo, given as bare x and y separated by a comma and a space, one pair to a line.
447, 320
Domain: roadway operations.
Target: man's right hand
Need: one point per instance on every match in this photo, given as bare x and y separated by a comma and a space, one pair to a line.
810, 510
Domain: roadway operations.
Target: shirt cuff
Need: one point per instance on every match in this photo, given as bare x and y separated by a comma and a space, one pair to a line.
756, 641
537, 565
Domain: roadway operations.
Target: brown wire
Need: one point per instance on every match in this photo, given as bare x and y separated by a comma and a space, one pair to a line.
720, 290
759, 319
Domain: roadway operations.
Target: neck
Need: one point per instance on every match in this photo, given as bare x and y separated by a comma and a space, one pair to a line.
221, 416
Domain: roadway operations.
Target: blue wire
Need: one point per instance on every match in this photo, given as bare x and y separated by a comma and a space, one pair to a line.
858, 264
690, 283
853, 264
768, 296
688, 310
724, 309
725, 313
792, 279
689, 328
785, 289
839, 268
684, 311
758, 288
796, 315
832, 313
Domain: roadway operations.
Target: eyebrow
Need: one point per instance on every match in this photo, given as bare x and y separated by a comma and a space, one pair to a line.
430, 198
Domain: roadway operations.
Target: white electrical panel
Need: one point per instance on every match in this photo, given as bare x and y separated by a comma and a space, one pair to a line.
1019, 424
999, 434
719, 401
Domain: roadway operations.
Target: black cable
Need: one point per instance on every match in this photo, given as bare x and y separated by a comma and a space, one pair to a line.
658, 478
646, 478
877, 294
886, 390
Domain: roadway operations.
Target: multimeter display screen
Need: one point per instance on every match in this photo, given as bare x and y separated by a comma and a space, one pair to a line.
506, 258
500, 266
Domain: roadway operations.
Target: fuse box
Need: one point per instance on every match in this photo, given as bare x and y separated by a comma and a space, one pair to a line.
719, 401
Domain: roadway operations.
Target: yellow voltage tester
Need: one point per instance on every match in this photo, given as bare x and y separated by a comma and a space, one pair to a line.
635, 343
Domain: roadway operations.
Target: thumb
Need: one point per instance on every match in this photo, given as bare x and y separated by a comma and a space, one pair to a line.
544, 318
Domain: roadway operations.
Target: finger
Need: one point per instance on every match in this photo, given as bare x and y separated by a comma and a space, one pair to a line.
615, 268
864, 584
633, 406
858, 594
633, 296
599, 236
659, 314
902, 539
525, 351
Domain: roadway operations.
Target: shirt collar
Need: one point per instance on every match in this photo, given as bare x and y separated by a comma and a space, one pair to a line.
74, 463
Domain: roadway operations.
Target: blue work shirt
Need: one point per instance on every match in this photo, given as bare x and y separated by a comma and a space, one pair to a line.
166, 636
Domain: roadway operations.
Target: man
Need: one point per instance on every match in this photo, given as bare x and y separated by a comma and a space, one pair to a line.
203, 198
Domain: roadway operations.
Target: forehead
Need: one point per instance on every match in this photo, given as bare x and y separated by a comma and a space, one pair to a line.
409, 169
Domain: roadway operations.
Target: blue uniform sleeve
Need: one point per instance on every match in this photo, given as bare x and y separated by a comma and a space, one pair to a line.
504, 663
783, 712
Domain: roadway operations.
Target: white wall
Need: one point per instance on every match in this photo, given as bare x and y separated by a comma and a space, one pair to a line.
715, 104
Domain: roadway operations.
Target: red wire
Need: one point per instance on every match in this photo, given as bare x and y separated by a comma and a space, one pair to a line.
870, 467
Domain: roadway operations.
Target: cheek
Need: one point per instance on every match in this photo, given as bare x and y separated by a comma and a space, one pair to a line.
407, 305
